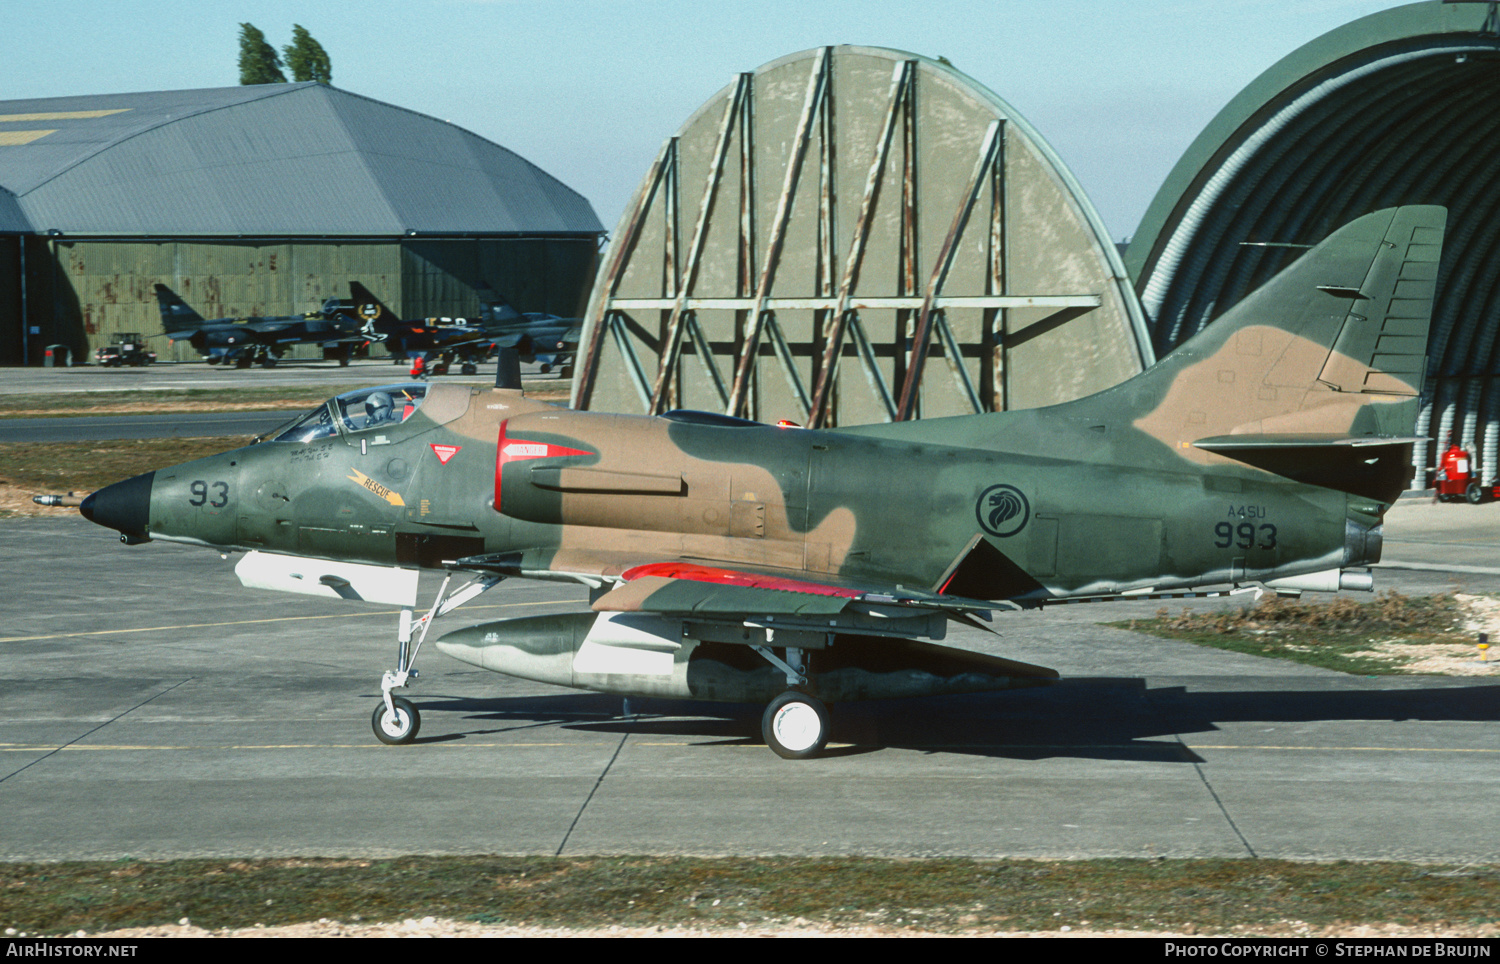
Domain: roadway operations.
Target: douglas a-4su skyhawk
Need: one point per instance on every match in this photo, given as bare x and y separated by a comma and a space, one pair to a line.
731, 560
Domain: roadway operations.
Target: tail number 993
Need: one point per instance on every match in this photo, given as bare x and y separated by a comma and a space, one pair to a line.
1245, 535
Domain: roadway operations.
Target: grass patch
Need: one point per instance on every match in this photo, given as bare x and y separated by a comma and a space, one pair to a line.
1338, 635
166, 401
82, 467
952, 896
228, 399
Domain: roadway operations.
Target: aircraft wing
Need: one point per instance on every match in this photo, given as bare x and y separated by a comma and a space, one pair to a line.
690, 587
685, 587
270, 328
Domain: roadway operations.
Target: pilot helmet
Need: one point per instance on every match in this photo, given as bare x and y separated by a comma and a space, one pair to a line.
378, 407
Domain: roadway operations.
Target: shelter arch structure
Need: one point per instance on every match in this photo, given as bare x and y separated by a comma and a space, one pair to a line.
851, 235
1392, 109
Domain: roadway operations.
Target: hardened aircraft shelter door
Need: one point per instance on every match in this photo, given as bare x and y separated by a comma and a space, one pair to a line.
852, 235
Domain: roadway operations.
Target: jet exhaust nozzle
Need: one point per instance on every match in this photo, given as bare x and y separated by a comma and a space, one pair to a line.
1362, 543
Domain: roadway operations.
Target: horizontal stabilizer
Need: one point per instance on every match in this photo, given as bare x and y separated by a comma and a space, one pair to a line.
1378, 467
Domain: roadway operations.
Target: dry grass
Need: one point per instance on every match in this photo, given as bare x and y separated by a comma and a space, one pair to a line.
1391, 634
892, 897
81, 467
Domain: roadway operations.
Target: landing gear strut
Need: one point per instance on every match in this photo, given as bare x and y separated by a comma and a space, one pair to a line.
795, 725
396, 719
398, 724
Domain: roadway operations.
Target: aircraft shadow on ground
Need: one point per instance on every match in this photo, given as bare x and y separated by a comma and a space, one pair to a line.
1099, 718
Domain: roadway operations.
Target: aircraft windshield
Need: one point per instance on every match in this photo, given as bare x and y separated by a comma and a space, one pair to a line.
366, 408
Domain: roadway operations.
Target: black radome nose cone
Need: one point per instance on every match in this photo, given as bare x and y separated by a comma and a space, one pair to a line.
124, 506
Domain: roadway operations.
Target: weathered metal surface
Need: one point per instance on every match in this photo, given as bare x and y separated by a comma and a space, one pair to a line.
1397, 107
84, 292
274, 159
855, 211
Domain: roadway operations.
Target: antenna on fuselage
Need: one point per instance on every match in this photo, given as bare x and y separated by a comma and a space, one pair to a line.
508, 368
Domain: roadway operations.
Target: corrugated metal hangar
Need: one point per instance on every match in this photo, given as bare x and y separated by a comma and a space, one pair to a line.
1396, 108
266, 200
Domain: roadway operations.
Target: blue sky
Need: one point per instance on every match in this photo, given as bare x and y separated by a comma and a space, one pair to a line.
588, 89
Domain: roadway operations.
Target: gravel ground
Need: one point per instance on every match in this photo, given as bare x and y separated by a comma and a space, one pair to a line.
432, 927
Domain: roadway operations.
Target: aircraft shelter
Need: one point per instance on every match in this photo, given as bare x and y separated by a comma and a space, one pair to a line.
850, 235
854, 234
1395, 108
265, 200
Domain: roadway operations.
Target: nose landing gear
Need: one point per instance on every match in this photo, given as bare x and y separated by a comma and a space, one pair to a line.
397, 724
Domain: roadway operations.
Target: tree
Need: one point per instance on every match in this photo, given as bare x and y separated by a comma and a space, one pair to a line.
306, 58
258, 61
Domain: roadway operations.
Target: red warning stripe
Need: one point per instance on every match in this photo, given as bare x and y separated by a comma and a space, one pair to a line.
731, 577
509, 450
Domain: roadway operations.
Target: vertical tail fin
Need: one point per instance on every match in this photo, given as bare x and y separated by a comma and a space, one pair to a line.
369, 308
1334, 346
494, 309
175, 314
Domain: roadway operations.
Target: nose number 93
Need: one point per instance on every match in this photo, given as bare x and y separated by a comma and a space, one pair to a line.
200, 493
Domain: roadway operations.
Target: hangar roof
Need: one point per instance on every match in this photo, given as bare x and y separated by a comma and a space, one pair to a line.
12, 221
266, 160
1394, 108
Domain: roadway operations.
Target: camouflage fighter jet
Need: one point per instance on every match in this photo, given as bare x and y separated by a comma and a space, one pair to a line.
731, 560
246, 341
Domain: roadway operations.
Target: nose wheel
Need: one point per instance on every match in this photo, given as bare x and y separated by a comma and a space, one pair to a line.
396, 720
795, 726
397, 723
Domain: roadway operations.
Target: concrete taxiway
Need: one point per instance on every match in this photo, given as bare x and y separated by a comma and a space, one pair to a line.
150, 706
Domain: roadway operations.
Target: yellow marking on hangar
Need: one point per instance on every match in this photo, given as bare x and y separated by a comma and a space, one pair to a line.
61, 115
17, 138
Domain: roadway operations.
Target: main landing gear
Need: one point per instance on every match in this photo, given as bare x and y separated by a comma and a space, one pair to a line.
396, 719
795, 725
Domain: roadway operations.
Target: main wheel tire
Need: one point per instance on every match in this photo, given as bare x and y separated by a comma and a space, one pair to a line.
1474, 493
397, 728
795, 726
469, 368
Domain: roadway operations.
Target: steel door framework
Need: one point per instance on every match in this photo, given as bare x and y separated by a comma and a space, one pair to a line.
841, 276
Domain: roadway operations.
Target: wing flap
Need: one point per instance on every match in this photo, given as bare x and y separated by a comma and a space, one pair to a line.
664, 594
685, 587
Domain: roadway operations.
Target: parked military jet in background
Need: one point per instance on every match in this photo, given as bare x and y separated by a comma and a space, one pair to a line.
731, 560
446, 339
536, 335
247, 341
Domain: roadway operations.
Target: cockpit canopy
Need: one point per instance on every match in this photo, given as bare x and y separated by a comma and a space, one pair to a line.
357, 411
